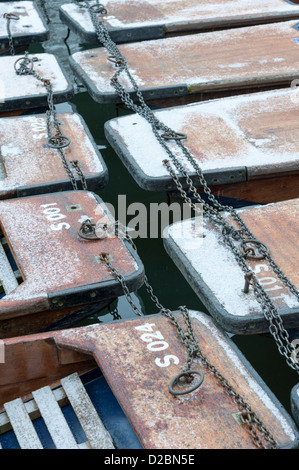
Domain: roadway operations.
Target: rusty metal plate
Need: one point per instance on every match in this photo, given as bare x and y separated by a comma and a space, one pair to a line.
19, 92
212, 270
139, 358
28, 166
150, 19
232, 139
59, 269
29, 28
209, 62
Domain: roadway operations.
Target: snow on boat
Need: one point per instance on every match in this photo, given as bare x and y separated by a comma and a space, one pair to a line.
213, 272
22, 23
196, 66
246, 146
153, 19
22, 92
29, 166
59, 268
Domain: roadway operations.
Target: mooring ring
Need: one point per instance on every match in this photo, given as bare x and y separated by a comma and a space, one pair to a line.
11, 16
99, 8
184, 374
27, 59
53, 142
254, 256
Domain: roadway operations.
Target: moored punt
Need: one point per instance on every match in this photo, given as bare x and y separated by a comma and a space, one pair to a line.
245, 145
196, 66
152, 19
21, 24
22, 92
197, 248
295, 403
140, 383
59, 266
28, 165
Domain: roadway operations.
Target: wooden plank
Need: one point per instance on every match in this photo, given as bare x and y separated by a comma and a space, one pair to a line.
7, 276
22, 425
151, 19
206, 418
25, 91
213, 272
209, 62
29, 28
31, 167
54, 419
68, 272
97, 435
32, 409
258, 126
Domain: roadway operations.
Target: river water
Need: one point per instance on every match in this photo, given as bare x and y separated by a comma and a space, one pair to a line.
168, 283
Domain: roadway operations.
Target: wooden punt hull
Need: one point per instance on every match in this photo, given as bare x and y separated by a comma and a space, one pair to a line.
213, 272
30, 167
21, 92
246, 146
29, 28
197, 66
58, 269
153, 19
140, 385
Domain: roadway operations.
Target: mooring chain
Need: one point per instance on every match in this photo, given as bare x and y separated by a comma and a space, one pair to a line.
10, 17
212, 209
25, 66
189, 379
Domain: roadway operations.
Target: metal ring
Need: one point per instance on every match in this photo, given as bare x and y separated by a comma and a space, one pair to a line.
11, 16
174, 136
184, 374
254, 256
98, 8
53, 142
27, 59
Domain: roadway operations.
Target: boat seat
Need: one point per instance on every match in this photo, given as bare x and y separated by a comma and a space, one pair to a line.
47, 403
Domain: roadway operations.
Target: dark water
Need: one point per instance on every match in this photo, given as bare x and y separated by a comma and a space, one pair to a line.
169, 285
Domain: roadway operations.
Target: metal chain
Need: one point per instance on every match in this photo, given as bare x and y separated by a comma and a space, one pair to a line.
212, 209
10, 17
25, 66
260, 435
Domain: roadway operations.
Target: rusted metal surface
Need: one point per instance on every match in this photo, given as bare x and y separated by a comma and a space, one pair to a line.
139, 20
208, 62
29, 28
133, 363
212, 270
25, 91
234, 140
29, 166
58, 269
